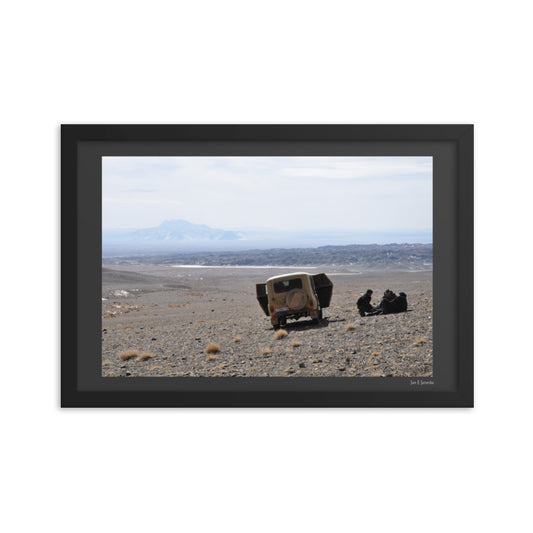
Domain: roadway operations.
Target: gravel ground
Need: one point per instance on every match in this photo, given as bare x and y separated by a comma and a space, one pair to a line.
164, 317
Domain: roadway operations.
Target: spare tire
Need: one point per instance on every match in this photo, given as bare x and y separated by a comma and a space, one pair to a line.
296, 299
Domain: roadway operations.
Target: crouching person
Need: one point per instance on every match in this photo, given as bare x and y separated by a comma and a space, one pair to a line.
363, 303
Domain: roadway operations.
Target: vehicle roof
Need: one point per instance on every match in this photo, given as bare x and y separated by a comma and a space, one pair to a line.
288, 276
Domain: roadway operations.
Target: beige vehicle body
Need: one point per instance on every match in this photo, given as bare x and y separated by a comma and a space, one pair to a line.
294, 295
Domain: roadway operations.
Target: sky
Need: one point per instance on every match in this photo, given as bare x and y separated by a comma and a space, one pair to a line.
363, 194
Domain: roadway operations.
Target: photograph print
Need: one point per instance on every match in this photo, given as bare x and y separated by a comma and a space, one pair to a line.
267, 267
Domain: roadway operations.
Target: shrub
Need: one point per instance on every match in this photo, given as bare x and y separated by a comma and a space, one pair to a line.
145, 355
280, 333
128, 354
212, 347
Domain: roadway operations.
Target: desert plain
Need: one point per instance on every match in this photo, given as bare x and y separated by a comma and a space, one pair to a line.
196, 321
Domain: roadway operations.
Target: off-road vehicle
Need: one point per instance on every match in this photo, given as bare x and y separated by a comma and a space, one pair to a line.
294, 296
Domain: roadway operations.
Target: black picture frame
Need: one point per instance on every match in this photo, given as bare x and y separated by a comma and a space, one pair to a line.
81, 240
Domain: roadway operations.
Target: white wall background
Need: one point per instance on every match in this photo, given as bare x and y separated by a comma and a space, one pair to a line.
268, 62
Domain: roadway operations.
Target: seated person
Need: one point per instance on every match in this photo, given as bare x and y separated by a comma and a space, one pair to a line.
397, 304
388, 296
401, 303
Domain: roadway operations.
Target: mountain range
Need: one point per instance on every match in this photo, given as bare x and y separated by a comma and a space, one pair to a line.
179, 236
171, 230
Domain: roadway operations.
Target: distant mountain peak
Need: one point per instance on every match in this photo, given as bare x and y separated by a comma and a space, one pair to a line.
182, 230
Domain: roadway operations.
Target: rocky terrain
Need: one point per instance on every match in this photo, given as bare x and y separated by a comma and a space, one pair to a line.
158, 320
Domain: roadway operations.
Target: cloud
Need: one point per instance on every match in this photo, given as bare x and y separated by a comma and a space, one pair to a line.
141, 201
233, 192
362, 167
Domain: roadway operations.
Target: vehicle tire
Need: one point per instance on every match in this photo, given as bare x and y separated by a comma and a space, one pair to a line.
296, 299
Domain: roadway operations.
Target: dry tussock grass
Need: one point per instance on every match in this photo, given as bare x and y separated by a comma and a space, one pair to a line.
266, 351
420, 341
349, 327
211, 357
212, 348
295, 344
280, 333
125, 355
237, 338
128, 354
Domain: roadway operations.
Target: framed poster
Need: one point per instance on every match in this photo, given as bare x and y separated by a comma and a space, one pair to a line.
267, 265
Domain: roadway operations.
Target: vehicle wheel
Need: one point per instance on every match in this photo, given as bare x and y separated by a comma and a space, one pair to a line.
296, 299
